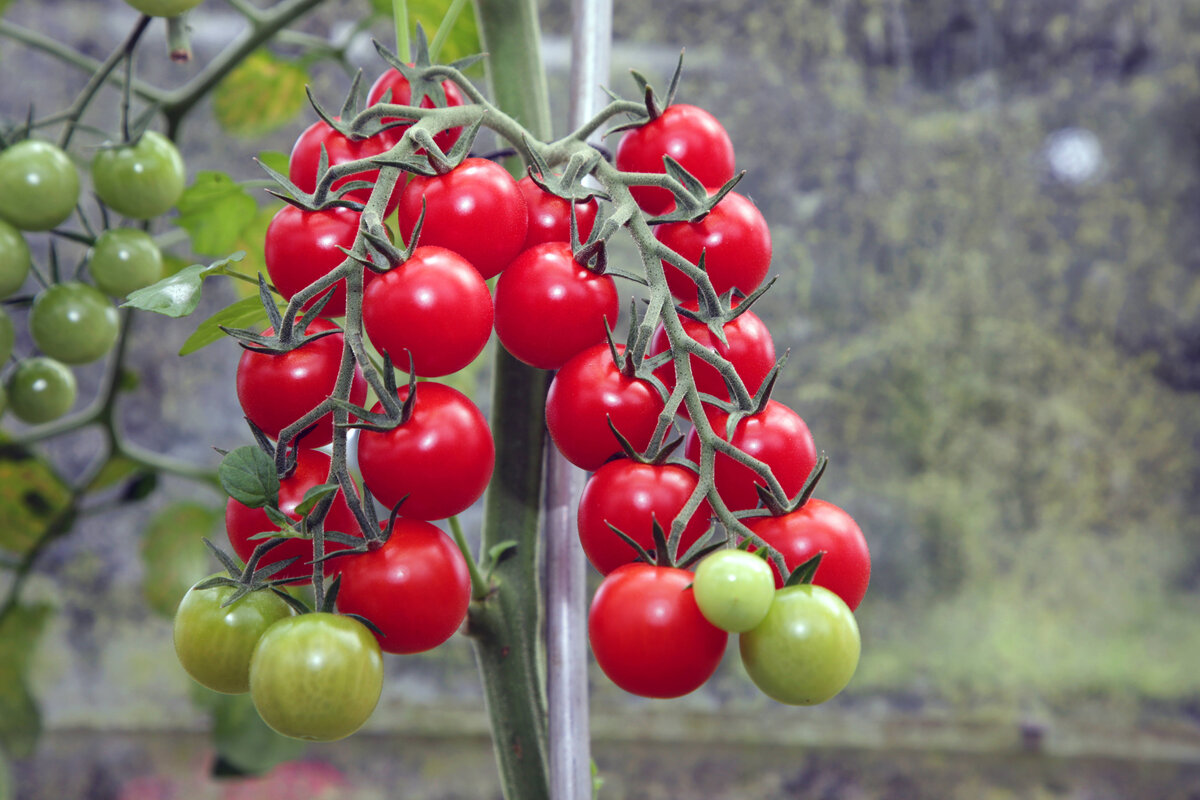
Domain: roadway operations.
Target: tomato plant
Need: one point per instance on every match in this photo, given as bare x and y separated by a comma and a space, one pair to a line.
40, 390
123, 260
40, 185
73, 322
395, 86
141, 180
302, 247
550, 215
15, 259
734, 589
316, 676
306, 158
735, 242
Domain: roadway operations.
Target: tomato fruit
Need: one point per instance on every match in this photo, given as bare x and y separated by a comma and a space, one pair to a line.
302, 246
401, 95
688, 134
40, 390
806, 649
435, 306
415, 588
748, 346
550, 307
550, 215
243, 522
214, 644
163, 8
630, 496
74, 322
441, 458
649, 636
776, 436
306, 159
819, 526
15, 260
734, 589
316, 676
142, 180
277, 389
8, 336
124, 260
475, 209
589, 390
735, 241
39, 186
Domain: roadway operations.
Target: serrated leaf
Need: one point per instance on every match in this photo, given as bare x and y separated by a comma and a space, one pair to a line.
247, 313
174, 553
275, 160
178, 295
261, 95
243, 740
314, 496
31, 496
214, 211
248, 476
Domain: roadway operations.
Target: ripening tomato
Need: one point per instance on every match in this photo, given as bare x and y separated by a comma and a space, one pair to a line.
735, 241
141, 180
302, 246
649, 636
734, 589
550, 215
392, 81
305, 160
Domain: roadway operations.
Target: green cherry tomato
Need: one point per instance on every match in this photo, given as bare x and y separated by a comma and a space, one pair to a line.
73, 322
163, 8
140, 180
40, 390
124, 260
39, 186
8, 336
214, 644
734, 589
14, 259
316, 676
806, 649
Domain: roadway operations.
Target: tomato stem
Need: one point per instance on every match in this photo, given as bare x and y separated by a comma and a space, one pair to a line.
479, 583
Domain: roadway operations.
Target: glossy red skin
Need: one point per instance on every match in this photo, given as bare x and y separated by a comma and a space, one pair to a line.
242, 522
302, 247
777, 436
649, 636
735, 241
476, 210
401, 96
550, 215
275, 390
442, 457
585, 393
434, 306
817, 526
550, 308
630, 496
749, 348
306, 159
415, 588
688, 134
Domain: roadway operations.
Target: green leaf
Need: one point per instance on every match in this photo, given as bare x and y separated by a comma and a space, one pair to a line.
464, 37
243, 740
214, 211
248, 476
314, 496
174, 553
275, 160
20, 718
253, 241
247, 313
31, 496
261, 95
178, 295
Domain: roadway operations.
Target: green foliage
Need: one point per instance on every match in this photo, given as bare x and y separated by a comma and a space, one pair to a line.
245, 313
32, 497
463, 39
214, 211
178, 295
174, 553
263, 94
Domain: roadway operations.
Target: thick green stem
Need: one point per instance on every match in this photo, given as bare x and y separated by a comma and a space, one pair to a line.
507, 625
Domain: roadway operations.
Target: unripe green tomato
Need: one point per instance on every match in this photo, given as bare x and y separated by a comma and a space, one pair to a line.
140, 180
14, 259
734, 589
163, 8
806, 649
40, 390
124, 260
73, 322
8, 337
39, 186
215, 644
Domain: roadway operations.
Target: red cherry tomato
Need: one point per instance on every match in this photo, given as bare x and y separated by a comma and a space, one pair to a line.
306, 159
434, 306
441, 458
648, 634
735, 241
776, 436
549, 307
818, 526
401, 95
688, 134
302, 247
476, 210
276, 389
629, 496
550, 215
243, 522
415, 588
